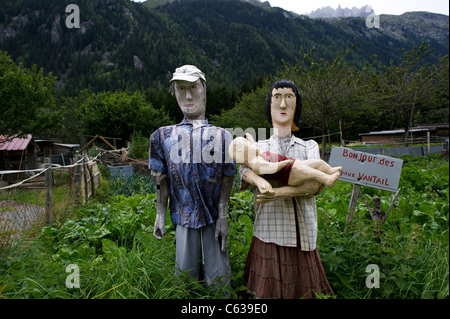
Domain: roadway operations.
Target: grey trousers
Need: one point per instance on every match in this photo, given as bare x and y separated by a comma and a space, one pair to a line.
198, 252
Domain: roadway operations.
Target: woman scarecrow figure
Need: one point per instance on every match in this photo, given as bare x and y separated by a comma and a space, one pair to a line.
283, 261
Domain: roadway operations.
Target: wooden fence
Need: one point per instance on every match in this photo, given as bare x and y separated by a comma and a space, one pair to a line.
35, 198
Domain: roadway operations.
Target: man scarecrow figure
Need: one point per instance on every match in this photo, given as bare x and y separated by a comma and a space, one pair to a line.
192, 167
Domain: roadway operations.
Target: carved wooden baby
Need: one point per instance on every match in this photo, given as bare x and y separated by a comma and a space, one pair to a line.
306, 175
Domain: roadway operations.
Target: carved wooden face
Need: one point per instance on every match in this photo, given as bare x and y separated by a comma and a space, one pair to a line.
283, 106
191, 97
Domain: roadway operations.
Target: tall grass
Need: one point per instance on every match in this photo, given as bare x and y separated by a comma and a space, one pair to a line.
111, 242
36, 268
410, 249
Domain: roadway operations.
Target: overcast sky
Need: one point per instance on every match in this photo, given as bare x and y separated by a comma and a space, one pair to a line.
379, 6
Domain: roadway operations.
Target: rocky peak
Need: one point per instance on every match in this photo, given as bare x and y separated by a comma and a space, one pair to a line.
329, 12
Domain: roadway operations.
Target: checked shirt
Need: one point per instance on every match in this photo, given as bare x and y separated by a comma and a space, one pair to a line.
275, 221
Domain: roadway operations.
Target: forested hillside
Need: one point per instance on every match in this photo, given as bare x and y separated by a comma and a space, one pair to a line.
124, 45
103, 54
123, 53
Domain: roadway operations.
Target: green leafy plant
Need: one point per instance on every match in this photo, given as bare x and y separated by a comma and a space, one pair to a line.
113, 245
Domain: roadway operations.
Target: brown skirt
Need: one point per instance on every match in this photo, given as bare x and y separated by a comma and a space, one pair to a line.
273, 271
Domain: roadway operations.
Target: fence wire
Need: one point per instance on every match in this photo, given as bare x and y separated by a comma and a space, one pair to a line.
23, 204
20, 208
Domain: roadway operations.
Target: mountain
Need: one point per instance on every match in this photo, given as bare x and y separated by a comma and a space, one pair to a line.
410, 27
157, 3
121, 44
329, 12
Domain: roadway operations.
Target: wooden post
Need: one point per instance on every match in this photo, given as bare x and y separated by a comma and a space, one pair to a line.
88, 180
6, 159
352, 205
84, 189
48, 191
77, 181
353, 200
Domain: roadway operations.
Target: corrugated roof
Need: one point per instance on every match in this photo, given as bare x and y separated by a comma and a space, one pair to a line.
16, 144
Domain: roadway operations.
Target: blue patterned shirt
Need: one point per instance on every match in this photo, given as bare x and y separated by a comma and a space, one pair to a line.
194, 155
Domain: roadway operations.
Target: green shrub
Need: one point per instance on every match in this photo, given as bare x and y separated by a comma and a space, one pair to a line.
140, 146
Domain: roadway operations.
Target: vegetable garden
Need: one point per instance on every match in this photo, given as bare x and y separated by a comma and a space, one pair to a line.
110, 241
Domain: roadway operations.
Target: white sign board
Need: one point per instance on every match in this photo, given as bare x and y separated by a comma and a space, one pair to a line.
366, 169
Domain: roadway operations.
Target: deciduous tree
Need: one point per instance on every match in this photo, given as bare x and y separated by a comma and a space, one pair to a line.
27, 103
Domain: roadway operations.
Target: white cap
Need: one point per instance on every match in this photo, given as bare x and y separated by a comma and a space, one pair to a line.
188, 73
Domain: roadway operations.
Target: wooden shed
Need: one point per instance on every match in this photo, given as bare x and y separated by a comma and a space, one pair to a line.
61, 153
17, 154
434, 133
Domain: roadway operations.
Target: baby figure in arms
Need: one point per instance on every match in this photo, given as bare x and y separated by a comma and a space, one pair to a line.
307, 176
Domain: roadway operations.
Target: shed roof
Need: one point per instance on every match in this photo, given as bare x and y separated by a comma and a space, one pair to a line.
15, 144
399, 131
67, 145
